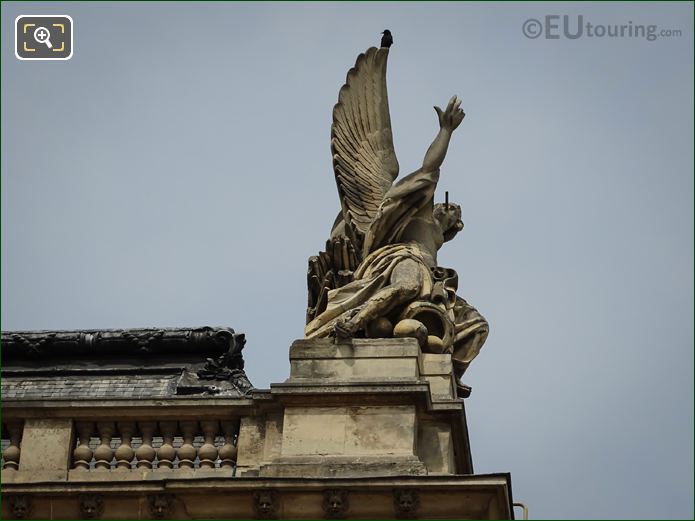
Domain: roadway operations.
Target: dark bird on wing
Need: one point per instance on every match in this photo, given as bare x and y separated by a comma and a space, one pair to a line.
387, 39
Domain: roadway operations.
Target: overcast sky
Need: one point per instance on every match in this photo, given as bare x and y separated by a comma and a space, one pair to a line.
176, 172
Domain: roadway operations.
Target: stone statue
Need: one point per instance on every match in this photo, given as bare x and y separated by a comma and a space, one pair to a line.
379, 275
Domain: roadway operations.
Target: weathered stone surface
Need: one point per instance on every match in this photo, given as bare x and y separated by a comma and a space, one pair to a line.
46, 449
343, 467
348, 431
272, 447
358, 359
251, 443
431, 363
380, 430
436, 447
441, 387
355, 369
438, 371
353, 348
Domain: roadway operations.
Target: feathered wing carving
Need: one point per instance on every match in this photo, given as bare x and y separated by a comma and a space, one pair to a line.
364, 160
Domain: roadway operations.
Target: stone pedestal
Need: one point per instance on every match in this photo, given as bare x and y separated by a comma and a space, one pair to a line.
363, 407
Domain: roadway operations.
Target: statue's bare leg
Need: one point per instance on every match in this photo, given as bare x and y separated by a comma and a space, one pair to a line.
405, 284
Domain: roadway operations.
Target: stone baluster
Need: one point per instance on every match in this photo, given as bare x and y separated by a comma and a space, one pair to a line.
187, 452
124, 452
145, 452
104, 453
12, 452
228, 451
82, 455
208, 452
166, 454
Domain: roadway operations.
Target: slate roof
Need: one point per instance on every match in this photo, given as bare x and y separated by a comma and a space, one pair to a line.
74, 387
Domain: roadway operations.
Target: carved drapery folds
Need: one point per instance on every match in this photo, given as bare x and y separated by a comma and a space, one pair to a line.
330, 269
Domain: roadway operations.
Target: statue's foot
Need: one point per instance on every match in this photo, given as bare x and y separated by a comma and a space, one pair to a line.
463, 390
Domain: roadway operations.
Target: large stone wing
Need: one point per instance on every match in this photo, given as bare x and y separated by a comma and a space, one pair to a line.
364, 160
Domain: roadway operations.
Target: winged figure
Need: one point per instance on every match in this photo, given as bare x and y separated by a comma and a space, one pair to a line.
378, 276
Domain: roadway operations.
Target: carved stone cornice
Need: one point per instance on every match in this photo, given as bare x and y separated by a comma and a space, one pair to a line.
210, 341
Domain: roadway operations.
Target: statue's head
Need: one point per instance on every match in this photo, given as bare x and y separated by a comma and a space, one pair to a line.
91, 506
160, 506
335, 503
21, 506
406, 503
448, 216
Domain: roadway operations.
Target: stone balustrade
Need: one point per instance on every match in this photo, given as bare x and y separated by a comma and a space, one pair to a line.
11, 443
51, 449
129, 445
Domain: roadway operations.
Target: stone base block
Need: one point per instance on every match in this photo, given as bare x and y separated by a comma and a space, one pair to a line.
354, 360
437, 369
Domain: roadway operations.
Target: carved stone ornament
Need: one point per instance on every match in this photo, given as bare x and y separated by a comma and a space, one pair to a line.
91, 506
20, 506
161, 505
335, 504
265, 503
230, 365
379, 276
406, 503
139, 342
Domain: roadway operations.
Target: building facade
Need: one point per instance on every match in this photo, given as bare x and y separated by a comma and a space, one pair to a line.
163, 423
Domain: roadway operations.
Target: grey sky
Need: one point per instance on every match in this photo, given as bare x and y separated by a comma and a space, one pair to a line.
176, 172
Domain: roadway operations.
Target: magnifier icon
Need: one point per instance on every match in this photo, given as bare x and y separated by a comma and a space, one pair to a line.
43, 35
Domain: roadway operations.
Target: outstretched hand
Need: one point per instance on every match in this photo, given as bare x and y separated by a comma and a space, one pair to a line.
452, 117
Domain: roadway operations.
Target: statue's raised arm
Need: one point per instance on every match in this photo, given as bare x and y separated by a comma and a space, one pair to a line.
449, 120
